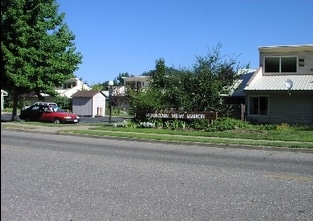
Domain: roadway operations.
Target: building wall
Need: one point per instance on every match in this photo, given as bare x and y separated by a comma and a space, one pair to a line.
71, 86
136, 83
294, 109
82, 106
98, 105
307, 67
3, 94
89, 106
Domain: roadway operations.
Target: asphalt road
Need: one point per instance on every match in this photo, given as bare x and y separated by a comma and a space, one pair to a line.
58, 177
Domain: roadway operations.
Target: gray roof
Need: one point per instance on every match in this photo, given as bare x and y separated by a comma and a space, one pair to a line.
239, 85
277, 82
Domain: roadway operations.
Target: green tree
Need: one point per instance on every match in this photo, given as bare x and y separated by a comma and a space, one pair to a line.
119, 80
152, 98
198, 89
64, 102
169, 87
99, 87
37, 48
145, 100
214, 76
178, 93
158, 77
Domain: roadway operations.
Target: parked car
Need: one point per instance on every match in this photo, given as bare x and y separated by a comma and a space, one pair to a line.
48, 113
42, 103
45, 103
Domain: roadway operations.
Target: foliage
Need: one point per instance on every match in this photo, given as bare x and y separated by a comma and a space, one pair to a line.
64, 102
223, 124
200, 124
98, 87
119, 79
157, 122
175, 124
146, 125
283, 126
37, 49
224, 130
214, 76
125, 123
178, 92
145, 100
158, 77
152, 98
198, 89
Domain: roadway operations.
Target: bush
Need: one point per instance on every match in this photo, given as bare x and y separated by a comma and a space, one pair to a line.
125, 123
222, 124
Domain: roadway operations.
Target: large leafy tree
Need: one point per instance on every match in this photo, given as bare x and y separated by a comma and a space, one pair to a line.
214, 75
178, 93
198, 89
152, 98
37, 48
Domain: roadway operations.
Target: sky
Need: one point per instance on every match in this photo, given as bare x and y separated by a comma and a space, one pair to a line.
129, 36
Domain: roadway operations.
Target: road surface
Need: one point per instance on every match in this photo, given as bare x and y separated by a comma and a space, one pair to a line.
59, 177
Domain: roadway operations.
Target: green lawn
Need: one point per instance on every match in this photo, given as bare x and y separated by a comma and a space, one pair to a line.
281, 136
293, 137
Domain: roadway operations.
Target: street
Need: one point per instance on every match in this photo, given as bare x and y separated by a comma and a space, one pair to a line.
59, 177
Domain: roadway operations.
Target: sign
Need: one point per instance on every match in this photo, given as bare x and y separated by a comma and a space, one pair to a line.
209, 115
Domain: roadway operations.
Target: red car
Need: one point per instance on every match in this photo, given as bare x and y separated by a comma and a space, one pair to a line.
48, 113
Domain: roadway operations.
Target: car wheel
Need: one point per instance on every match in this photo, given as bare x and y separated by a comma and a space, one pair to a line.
56, 121
27, 119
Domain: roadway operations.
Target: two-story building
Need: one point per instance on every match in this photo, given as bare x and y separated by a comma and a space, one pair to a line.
136, 83
281, 90
71, 86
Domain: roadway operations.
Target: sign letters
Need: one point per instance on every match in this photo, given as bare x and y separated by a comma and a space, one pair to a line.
178, 115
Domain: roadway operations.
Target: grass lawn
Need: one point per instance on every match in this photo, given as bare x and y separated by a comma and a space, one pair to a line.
293, 137
290, 137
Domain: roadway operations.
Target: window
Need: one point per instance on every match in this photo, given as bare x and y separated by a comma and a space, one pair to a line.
259, 105
69, 85
276, 64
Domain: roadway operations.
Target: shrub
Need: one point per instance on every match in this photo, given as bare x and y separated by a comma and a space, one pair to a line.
158, 123
125, 123
199, 124
224, 123
283, 126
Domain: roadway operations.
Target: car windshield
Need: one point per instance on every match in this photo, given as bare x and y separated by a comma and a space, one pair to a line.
57, 109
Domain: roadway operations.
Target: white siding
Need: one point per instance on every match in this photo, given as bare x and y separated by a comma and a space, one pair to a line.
98, 105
